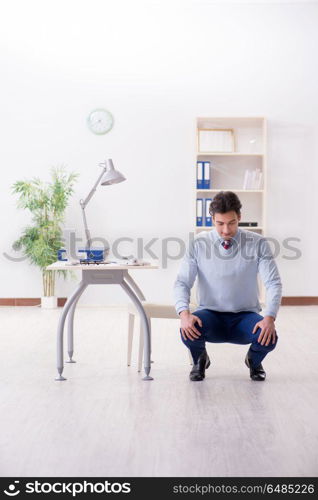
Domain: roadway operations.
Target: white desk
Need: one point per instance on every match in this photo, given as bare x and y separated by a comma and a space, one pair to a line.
100, 274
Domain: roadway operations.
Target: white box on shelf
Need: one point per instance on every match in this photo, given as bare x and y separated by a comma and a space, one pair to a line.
216, 141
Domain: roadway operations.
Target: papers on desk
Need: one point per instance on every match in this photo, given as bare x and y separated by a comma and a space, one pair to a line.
139, 264
129, 262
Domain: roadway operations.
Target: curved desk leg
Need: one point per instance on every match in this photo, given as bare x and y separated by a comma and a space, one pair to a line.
70, 328
145, 326
60, 329
134, 286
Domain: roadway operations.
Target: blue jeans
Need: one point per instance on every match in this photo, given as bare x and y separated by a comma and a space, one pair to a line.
235, 328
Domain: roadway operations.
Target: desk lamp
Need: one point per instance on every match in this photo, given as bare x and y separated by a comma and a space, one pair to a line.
108, 176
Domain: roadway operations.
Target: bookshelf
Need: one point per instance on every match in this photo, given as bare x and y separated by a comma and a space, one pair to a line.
228, 169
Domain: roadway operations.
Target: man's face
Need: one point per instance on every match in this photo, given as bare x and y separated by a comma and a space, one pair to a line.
226, 224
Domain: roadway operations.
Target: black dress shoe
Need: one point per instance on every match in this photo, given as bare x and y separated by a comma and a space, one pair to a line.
257, 373
198, 371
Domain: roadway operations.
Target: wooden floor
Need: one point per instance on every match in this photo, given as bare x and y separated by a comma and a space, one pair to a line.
105, 421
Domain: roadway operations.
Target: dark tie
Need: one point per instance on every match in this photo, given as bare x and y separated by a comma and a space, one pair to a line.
226, 244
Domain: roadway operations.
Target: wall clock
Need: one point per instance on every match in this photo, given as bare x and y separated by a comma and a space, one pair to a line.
100, 121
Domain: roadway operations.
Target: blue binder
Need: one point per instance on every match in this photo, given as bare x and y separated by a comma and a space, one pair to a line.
206, 175
200, 174
90, 255
61, 254
208, 217
199, 212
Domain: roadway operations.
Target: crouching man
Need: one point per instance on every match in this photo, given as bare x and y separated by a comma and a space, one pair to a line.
226, 262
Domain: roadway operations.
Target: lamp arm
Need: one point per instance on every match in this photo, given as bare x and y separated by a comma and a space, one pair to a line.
90, 194
83, 204
87, 232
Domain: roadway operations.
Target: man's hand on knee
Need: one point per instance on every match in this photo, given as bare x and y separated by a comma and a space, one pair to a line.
268, 331
188, 329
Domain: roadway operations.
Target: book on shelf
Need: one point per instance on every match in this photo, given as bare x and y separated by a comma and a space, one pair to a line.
248, 224
206, 175
208, 216
199, 216
200, 174
203, 175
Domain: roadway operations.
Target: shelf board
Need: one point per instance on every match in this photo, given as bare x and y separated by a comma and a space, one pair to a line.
242, 119
226, 189
229, 154
251, 228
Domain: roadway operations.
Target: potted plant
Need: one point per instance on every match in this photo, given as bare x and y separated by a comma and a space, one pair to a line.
41, 241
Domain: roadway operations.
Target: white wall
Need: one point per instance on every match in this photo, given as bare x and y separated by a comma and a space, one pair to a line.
156, 66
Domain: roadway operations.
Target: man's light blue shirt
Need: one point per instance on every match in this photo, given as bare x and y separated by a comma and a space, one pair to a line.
227, 280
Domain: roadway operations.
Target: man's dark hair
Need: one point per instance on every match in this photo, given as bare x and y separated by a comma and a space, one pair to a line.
225, 201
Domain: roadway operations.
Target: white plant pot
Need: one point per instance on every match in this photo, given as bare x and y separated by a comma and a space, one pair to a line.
49, 302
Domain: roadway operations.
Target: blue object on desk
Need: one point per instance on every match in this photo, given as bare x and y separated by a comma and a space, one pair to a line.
61, 254
91, 254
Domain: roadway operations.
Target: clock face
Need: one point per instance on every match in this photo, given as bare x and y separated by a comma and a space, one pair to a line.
100, 121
